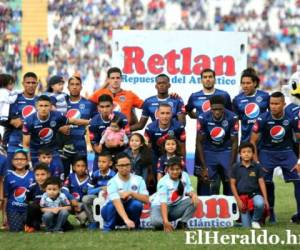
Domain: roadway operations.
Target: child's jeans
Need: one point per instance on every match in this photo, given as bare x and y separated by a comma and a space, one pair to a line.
55, 222
257, 212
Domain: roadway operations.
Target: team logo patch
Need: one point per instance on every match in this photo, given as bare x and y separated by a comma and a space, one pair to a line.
259, 99
217, 134
82, 106
252, 110
122, 98
224, 123
73, 114
134, 187
76, 196
171, 133
20, 194
52, 124
206, 106
285, 122
277, 132
27, 111
46, 134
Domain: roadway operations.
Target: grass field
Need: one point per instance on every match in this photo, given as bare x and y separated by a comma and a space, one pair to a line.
84, 239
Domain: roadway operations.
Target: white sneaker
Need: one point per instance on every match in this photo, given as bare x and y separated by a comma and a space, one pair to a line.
255, 225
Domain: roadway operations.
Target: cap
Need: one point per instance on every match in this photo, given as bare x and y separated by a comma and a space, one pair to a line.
175, 160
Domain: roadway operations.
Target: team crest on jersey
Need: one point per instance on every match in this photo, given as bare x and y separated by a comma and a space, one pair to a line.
205, 106
285, 122
224, 123
73, 114
82, 106
122, 98
27, 111
52, 124
20, 194
217, 134
252, 110
277, 132
46, 134
134, 187
171, 133
259, 99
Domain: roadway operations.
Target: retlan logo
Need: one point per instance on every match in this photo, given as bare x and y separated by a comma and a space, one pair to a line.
174, 62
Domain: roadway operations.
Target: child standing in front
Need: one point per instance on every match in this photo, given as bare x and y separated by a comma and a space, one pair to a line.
248, 187
55, 206
16, 184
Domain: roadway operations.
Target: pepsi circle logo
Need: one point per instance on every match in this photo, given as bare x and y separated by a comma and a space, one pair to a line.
206, 106
217, 134
27, 111
73, 114
76, 196
46, 134
252, 110
277, 132
20, 194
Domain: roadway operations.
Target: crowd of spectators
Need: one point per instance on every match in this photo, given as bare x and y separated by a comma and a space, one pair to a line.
39, 52
10, 43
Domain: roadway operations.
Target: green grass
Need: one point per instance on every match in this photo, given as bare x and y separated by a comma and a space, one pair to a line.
84, 239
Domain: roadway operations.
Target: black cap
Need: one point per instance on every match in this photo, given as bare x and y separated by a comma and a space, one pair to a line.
175, 160
54, 80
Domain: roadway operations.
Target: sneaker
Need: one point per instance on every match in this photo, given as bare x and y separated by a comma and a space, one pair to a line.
181, 225
93, 226
29, 229
255, 225
69, 149
295, 219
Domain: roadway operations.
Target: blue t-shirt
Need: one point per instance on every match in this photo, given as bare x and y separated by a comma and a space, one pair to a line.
75, 187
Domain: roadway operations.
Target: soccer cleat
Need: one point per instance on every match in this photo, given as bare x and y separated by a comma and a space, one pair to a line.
255, 225
181, 225
295, 219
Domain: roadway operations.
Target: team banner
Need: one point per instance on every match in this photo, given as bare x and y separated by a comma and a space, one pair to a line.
182, 55
216, 211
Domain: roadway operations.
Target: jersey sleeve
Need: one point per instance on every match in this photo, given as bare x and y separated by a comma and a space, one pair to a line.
94, 97
233, 173
6, 186
27, 128
112, 191
200, 125
235, 127
61, 120
257, 127
136, 101
180, 107
162, 192
142, 187
43, 200
13, 111
160, 166
94, 132
182, 134
145, 111
189, 106
228, 104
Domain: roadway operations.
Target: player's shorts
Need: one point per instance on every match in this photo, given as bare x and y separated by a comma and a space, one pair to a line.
216, 162
284, 159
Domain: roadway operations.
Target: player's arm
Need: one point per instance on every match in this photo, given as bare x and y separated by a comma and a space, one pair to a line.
122, 213
164, 214
79, 122
234, 148
141, 197
254, 139
263, 189
192, 114
26, 141
140, 124
235, 193
199, 150
181, 118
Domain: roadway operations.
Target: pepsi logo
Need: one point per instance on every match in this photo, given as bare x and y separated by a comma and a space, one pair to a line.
73, 114
146, 211
206, 106
277, 132
46, 134
20, 194
76, 196
174, 196
252, 110
217, 134
27, 111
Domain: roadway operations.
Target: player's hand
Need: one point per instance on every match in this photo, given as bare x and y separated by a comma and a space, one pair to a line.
241, 206
168, 227
129, 223
267, 206
17, 123
55, 210
174, 95
204, 174
297, 168
98, 148
65, 130
125, 195
194, 199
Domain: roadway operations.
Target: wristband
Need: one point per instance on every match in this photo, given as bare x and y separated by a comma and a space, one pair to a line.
298, 162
